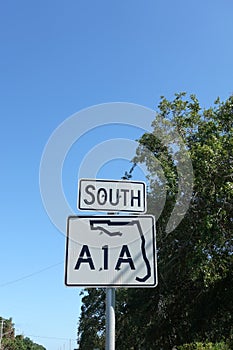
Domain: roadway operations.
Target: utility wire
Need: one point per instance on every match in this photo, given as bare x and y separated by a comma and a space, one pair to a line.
126, 176
30, 275
47, 337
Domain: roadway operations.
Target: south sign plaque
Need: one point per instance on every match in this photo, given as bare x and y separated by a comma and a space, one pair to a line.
112, 196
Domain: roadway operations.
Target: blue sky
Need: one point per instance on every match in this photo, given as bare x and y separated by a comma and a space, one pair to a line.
57, 58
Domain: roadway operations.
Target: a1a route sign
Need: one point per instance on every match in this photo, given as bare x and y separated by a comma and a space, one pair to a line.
112, 195
111, 251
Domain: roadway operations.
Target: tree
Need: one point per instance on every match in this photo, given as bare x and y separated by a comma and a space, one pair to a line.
195, 258
91, 328
18, 342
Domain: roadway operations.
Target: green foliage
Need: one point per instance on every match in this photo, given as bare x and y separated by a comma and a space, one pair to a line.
206, 346
12, 342
92, 320
193, 300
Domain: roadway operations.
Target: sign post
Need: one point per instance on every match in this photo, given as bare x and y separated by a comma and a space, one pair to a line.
110, 319
111, 250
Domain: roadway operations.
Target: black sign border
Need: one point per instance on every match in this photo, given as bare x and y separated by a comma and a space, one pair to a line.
112, 285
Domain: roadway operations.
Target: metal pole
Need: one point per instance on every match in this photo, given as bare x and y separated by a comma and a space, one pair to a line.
110, 319
1, 331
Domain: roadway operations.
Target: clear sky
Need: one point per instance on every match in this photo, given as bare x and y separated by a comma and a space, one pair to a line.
58, 57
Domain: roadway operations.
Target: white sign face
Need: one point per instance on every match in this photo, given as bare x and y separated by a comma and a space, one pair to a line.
111, 251
112, 196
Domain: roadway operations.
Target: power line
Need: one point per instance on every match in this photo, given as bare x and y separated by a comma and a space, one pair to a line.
30, 335
47, 337
31, 274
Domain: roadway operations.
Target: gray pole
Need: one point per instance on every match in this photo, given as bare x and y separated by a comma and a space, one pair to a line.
110, 319
1, 331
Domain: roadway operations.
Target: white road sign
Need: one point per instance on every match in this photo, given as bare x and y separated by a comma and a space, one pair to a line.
111, 195
111, 251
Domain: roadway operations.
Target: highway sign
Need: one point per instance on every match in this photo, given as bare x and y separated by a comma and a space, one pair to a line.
111, 251
112, 195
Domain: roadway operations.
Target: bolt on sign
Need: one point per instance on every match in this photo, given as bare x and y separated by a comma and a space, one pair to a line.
112, 195
111, 251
